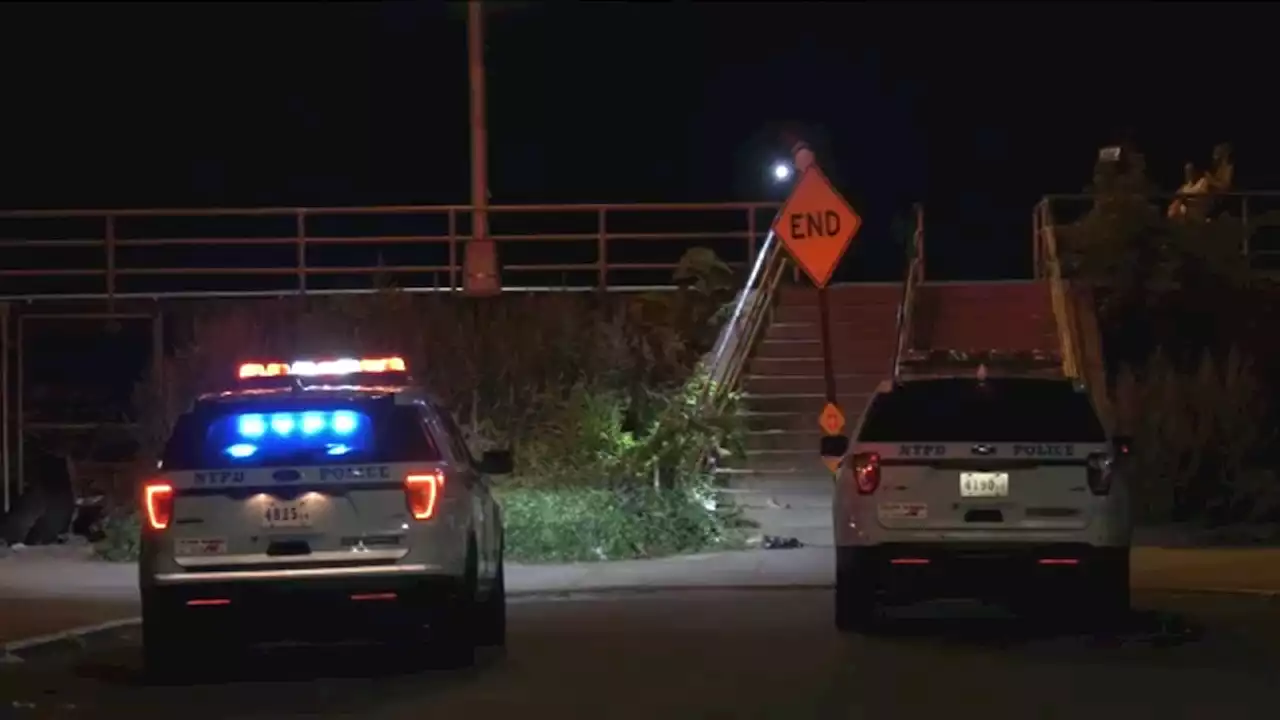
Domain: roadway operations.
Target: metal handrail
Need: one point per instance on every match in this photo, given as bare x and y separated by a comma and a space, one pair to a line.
1247, 204
159, 253
727, 360
1052, 271
906, 308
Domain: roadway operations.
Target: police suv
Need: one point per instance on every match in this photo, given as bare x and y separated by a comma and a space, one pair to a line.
320, 500
969, 485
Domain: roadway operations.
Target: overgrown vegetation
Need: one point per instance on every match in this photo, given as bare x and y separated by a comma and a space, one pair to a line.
1189, 371
597, 396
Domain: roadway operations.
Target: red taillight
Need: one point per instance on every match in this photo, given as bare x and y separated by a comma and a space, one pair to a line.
1100, 473
866, 472
157, 503
422, 491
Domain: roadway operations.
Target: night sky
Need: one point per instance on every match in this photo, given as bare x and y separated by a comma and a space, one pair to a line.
976, 109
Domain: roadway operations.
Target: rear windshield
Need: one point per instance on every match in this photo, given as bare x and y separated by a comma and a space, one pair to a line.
298, 433
999, 410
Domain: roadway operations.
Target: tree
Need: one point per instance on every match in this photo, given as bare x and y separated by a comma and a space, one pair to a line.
1160, 281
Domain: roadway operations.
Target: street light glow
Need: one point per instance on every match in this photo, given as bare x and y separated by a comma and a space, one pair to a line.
781, 172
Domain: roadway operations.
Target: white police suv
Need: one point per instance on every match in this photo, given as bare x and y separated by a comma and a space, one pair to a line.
320, 500
981, 487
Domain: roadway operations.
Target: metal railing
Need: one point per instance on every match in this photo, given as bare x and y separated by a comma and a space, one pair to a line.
161, 253
1049, 267
1258, 214
906, 308
727, 360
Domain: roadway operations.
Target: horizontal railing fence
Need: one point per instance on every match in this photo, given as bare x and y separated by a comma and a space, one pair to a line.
100, 254
1259, 213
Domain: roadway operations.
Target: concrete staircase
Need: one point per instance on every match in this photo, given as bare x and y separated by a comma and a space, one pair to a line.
782, 483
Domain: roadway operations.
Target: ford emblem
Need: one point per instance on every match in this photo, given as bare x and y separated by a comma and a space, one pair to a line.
286, 475
983, 449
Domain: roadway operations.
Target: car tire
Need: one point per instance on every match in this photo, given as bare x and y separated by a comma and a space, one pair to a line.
856, 606
492, 621
1108, 591
453, 637
162, 652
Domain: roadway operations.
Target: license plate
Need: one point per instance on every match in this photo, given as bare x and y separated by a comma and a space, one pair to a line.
984, 484
279, 514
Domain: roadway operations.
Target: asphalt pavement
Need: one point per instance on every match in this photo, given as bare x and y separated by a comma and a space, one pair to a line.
712, 653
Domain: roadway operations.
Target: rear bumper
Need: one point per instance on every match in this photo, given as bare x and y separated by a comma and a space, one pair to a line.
305, 608
998, 570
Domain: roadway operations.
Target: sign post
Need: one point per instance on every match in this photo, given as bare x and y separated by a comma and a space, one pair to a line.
816, 226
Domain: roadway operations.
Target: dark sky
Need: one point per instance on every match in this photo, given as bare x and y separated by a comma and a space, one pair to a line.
976, 109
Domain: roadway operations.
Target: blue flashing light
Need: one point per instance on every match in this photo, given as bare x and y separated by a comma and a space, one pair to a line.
282, 423
335, 433
344, 422
252, 426
312, 423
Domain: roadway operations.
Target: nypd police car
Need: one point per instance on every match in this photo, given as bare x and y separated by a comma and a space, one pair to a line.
981, 487
320, 500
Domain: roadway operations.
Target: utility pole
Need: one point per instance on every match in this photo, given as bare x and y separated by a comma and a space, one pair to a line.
480, 259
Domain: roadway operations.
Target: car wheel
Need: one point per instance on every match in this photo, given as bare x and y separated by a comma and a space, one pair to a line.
856, 589
453, 636
1108, 592
492, 630
162, 652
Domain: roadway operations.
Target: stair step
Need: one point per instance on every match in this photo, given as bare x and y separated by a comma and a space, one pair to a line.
846, 313
850, 404
874, 327
805, 367
789, 440
808, 384
849, 354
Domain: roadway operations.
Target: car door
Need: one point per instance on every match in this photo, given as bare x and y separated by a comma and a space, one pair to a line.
483, 504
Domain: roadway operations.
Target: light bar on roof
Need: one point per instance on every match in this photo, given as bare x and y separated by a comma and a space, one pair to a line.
320, 368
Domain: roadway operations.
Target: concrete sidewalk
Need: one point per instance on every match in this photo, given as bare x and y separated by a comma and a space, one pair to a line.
42, 592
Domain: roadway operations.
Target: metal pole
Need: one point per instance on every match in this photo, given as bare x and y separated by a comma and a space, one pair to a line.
480, 259
828, 366
21, 430
804, 160
4, 407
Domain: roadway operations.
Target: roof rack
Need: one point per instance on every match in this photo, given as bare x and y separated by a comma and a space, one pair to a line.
979, 363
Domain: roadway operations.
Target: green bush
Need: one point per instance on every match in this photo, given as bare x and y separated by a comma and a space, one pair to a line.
587, 524
121, 532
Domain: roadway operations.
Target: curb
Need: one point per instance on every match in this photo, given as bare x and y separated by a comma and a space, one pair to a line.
15, 651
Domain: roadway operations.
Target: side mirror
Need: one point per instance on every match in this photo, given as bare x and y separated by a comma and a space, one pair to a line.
833, 446
497, 462
1122, 446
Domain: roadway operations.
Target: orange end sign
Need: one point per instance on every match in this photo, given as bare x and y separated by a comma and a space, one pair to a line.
832, 463
816, 226
831, 420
